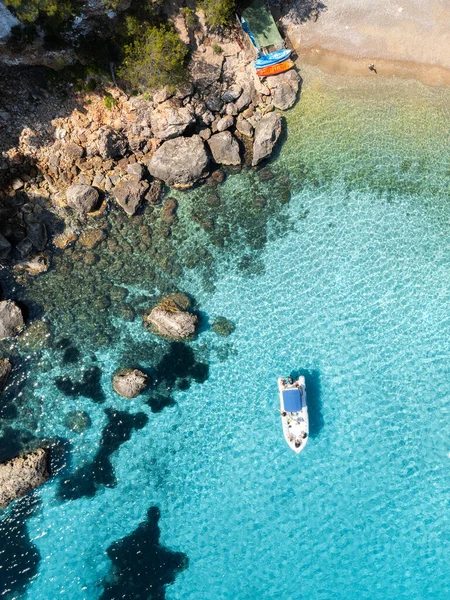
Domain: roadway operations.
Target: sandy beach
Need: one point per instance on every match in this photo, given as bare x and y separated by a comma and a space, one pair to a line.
404, 38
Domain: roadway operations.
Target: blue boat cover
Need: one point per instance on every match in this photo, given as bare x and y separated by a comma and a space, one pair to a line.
292, 400
248, 31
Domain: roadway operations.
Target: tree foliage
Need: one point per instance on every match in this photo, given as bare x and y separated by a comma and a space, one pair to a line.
156, 59
219, 13
29, 11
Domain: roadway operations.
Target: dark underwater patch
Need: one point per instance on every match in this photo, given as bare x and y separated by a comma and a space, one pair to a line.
71, 355
177, 368
89, 386
85, 481
141, 566
19, 557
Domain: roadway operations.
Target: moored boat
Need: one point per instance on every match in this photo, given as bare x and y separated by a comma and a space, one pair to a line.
294, 412
272, 59
280, 67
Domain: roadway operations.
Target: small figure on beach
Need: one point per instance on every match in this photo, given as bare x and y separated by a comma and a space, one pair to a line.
372, 68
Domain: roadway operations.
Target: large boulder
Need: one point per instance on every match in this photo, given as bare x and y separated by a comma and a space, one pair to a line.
82, 198
284, 96
111, 144
224, 148
169, 120
244, 127
22, 474
129, 383
5, 370
37, 234
180, 162
129, 194
267, 132
5, 247
171, 318
11, 319
225, 123
284, 89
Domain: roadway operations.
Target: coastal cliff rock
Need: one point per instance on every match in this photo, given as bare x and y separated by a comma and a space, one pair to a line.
129, 194
267, 132
225, 148
171, 318
11, 319
180, 162
129, 383
284, 89
82, 198
22, 474
169, 121
111, 144
5, 370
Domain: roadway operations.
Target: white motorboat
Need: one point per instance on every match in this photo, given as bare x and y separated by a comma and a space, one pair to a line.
294, 412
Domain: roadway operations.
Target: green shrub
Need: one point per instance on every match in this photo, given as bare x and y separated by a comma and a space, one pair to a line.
110, 101
156, 59
190, 17
28, 11
219, 13
217, 49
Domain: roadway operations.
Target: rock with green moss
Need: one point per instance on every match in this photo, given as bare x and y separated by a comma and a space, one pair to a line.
77, 421
36, 337
223, 327
171, 318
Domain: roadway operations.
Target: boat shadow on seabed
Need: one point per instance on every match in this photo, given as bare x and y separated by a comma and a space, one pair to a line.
314, 399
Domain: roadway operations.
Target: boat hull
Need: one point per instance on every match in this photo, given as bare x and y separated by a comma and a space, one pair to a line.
295, 424
275, 69
272, 59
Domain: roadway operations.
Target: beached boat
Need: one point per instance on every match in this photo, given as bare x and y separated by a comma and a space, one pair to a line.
294, 412
280, 67
272, 59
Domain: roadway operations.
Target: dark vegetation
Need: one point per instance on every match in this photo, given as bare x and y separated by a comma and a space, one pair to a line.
139, 43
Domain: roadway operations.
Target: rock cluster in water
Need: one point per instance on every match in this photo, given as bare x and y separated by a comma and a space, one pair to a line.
129, 383
172, 319
22, 474
11, 319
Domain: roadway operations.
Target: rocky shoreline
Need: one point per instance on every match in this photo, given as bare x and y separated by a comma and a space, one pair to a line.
65, 180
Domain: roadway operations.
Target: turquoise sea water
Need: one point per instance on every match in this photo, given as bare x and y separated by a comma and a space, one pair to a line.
350, 286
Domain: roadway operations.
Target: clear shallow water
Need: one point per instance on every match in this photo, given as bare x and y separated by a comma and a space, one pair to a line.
351, 288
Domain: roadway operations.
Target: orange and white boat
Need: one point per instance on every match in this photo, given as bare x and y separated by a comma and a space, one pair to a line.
275, 69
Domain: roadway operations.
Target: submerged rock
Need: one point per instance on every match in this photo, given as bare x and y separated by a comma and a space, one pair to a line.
180, 162
36, 336
224, 148
129, 383
77, 421
170, 318
267, 132
22, 474
82, 198
11, 319
5, 370
34, 266
223, 327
